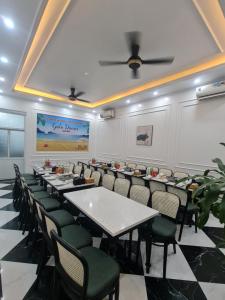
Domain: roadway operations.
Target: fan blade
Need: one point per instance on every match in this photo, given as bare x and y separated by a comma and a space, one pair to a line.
112, 63
135, 73
133, 41
165, 60
79, 94
82, 100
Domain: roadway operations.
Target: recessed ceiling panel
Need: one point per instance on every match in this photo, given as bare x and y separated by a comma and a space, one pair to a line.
93, 30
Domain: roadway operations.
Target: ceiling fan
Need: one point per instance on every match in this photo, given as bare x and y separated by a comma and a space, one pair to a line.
135, 61
73, 96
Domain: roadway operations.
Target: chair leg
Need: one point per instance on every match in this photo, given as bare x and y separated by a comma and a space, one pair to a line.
130, 244
55, 286
117, 290
174, 248
165, 260
196, 218
182, 227
148, 254
138, 249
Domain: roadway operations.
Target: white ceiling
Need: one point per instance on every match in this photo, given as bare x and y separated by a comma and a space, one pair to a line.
94, 30
13, 41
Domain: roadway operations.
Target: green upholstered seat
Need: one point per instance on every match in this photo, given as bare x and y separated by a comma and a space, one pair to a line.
163, 228
76, 236
50, 204
41, 194
103, 272
62, 217
36, 188
28, 176
191, 207
31, 182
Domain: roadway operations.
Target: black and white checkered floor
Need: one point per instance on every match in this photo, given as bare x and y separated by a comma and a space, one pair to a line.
197, 271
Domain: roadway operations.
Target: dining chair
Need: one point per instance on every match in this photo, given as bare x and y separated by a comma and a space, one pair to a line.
122, 186
156, 186
166, 172
71, 167
109, 172
87, 173
96, 176
137, 181
161, 230
140, 194
180, 175
72, 233
131, 165
108, 181
122, 164
92, 168
120, 175
140, 167
85, 274
78, 170
101, 171
188, 208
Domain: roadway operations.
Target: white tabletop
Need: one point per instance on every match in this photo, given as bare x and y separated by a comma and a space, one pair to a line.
114, 213
61, 185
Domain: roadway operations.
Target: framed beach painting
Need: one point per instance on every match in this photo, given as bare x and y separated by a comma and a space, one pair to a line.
55, 133
144, 135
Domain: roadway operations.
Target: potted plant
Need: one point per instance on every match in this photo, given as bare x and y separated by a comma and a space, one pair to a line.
210, 194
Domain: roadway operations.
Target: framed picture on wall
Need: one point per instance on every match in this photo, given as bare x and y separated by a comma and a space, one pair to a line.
56, 133
144, 135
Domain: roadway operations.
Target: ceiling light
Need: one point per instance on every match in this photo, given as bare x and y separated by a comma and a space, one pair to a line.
128, 101
40, 99
8, 22
139, 105
4, 59
1, 91
197, 80
70, 106
155, 93
2, 79
86, 73
94, 111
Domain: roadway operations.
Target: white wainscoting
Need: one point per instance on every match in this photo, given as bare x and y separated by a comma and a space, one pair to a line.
186, 134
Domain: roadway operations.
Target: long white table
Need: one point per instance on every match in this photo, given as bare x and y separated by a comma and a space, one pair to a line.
114, 213
63, 186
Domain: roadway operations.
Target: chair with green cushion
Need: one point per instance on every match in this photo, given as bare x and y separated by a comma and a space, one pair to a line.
188, 208
161, 229
41, 194
122, 186
36, 188
85, 274
73, 234
137, 181
108, 182
62, 217
156, 186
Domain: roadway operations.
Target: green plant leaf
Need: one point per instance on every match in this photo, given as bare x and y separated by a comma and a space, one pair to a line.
219, 163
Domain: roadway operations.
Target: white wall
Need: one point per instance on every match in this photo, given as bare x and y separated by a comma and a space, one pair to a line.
186, 132
30, 109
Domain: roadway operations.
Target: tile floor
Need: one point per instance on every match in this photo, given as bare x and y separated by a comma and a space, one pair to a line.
195, 272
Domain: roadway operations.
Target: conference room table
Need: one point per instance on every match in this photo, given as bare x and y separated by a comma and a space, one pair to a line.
116, 215
61, 185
